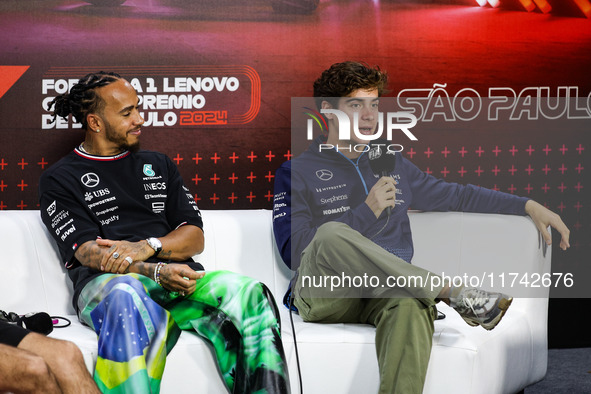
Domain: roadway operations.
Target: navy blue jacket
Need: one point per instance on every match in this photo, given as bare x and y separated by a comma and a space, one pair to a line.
317, 187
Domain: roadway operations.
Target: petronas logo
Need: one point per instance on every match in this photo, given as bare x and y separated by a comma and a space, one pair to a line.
148, 171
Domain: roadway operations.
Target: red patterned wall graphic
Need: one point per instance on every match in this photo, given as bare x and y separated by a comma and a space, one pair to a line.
218, 181
554, 175
277, 57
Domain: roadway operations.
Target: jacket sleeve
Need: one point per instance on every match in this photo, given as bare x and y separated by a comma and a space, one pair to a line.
292, 218
282, 212
433, 194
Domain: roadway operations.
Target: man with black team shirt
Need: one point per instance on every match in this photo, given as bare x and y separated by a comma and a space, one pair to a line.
127, 228
334, 217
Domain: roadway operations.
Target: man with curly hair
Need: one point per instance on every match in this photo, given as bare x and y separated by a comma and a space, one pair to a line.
334, 218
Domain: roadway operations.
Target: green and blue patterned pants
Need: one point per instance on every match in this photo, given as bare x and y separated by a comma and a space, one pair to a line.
139, 322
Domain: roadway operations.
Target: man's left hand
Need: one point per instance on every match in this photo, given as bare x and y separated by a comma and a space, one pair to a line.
179, 278
543, 218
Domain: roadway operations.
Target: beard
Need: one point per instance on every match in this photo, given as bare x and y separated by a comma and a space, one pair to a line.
133, 148
121, 141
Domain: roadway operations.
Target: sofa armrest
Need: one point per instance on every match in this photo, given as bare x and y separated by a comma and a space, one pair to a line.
496, 252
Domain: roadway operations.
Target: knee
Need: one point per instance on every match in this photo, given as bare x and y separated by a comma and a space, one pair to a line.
69, 354
414, 305
36, 375
128, 281
334, 242
411, 303
411, 309
36, 367
329, 229
120, 296
331, 234
125, 287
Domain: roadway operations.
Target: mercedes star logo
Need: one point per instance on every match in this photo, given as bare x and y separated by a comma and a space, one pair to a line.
325, 175
90, 179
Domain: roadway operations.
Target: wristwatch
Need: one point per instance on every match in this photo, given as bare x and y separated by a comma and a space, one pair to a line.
155, 244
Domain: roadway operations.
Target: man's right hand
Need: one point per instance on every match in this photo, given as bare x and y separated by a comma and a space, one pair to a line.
135, 251
382, 195
112, 256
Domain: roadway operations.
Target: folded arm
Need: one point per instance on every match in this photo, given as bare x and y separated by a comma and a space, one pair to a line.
180, 244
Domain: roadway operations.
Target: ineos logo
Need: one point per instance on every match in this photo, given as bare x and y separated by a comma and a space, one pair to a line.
90, 179
324, 175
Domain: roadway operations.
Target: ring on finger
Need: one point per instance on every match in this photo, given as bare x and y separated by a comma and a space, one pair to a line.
115, 255
129, 259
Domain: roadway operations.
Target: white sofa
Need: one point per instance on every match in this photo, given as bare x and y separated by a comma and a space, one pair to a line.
337, 358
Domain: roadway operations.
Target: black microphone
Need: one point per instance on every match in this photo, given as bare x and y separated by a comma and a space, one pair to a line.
382, 161
38, 322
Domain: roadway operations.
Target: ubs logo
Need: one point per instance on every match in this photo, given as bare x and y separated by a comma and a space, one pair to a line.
324, 175
51, 208
90, 179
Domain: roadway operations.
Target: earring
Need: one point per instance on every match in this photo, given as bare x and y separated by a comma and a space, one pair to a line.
97, 131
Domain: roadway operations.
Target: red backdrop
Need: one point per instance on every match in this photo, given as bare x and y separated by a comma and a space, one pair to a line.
216, 79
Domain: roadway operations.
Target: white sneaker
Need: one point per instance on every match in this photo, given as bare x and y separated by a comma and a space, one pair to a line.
479, 307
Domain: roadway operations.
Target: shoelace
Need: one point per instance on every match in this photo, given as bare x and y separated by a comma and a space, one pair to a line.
479, 300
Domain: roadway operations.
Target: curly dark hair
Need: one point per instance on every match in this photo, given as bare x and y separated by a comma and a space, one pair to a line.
343, 78
83, 99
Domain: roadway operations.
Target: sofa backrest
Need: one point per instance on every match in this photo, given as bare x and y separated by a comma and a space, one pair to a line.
34, 279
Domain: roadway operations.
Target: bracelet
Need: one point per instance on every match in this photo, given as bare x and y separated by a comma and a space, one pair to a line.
157, 272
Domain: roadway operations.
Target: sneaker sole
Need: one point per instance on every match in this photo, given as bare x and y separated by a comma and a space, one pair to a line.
504, 304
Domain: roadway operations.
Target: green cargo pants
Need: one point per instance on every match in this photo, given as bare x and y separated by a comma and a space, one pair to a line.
338, 283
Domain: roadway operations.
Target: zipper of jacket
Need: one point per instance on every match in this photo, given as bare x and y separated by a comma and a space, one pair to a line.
356, 165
